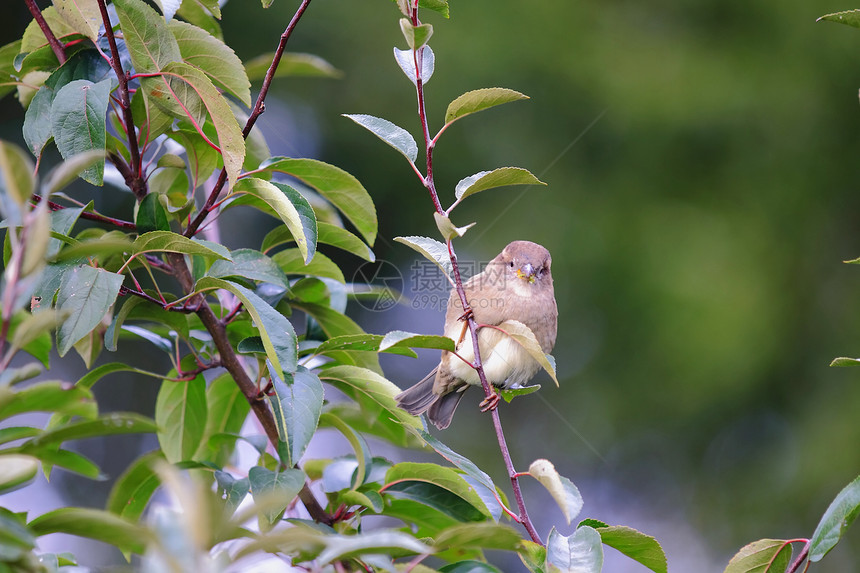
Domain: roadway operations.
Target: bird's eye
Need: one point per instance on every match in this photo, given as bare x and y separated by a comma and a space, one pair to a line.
512, 264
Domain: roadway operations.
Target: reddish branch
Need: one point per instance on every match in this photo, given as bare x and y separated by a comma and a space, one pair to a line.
428, 181
259, 108
133, 176
90, 216
55, 44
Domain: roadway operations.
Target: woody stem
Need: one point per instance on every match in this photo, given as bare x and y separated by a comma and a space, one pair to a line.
430, 185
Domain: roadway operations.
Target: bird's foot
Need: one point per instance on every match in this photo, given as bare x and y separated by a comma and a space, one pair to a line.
467, 315
491, 402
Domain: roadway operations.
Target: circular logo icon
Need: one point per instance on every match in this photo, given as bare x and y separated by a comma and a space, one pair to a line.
384, 282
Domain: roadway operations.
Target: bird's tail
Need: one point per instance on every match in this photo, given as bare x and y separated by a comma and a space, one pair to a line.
418, 398
441, 411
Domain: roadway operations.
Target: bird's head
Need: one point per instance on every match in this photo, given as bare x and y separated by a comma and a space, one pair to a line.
526, 261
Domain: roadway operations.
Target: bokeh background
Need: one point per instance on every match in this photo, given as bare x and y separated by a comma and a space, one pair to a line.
702, 168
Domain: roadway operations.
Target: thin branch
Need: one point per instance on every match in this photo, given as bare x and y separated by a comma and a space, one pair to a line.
56, 45
135, 182
429, 183
259, 108
90, 215
804, 553
186, 308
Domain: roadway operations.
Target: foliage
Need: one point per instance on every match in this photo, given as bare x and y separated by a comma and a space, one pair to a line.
156, 99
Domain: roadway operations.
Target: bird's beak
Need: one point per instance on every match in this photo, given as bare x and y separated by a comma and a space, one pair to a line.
527, 273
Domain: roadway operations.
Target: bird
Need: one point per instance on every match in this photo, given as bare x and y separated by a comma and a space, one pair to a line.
515, 285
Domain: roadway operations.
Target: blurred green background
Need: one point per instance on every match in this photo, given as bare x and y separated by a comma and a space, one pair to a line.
702, 160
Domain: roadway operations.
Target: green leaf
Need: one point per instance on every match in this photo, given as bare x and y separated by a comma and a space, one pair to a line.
93, 524
432, 250
277, 333
565, 494
81, 16
29, 328
395, 136
170, 242
461, 462
429, 521
328, 234
180, 412
290, 261
359, 382
67, 171
353, 343
202, 13
394, 543
149, 41
293, 209
363, 459
447, 229
35, 38
151, 215
16, 175
13, 433
469, 566
186, 92
37, 120
16, 471
78, 122
500, 177
510, 393
841, 513
339, 187
86, 294
478, 536
647, 551
399, 338
68, 460
275, 490
523, 336
134, 488
291, 64
440, 6
217, 60
416, 36
106, 425
478, 100
202, 159
436, 497
232, 490
369, 422
406, 61
47, 397
439, 476
849, 17
844, 361
252, 265
762, 556
582, 552
297, 405
533, 556
227, 410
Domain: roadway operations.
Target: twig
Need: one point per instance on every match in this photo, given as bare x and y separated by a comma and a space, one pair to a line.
259, 108
428, 181
804, 553
56, 45
89, 215
185, 308
134, 178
